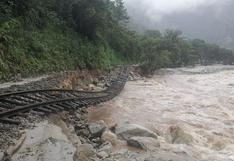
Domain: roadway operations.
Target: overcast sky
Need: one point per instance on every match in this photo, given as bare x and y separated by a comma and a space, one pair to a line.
156, 9
211, 20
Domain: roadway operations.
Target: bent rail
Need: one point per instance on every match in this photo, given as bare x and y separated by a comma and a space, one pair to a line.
55, 100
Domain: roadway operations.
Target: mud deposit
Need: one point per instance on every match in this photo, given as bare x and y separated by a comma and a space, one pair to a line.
198, 100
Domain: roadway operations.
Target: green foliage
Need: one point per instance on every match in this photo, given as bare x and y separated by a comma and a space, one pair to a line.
52, 35
38, 36
172, 50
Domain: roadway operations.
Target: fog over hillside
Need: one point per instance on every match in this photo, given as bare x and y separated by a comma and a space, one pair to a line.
211, 20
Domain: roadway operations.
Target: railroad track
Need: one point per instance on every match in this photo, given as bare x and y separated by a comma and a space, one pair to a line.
55, 100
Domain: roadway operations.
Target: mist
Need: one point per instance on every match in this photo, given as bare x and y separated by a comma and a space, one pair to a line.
211, 20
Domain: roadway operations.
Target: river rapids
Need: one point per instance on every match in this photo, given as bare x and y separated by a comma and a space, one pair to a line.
200, 100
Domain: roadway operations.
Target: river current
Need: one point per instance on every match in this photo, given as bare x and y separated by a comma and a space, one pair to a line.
199, 100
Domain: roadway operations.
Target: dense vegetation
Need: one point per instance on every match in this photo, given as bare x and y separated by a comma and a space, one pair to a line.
172, 50
38, 36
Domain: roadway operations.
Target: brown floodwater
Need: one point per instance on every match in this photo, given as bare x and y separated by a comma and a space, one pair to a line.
200, 100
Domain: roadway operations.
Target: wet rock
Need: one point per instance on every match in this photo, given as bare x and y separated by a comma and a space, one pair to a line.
97, 128
178, 136
83, 140
97, 141
126, 131
112, 127
102, 154
108, 136
83, 132
145, 143
85, 152
107, 147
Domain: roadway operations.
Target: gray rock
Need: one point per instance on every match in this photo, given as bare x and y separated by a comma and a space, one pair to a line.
78, 115
1, 156
145, 143
108, 136
135, 156
126, 131
85, 152
97, 128
102, 154
107, 147
83, 132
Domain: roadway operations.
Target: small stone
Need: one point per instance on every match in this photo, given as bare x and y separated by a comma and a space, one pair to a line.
97, 141
83, 140
107, 147
102, 154
108, 136
78, 115
97, 128
91, 86
83, 132
113, 126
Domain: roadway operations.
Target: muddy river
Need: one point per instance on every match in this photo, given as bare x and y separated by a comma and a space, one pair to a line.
200, 100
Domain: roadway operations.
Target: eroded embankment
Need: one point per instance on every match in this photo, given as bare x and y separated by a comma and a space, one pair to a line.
191, 109
79, 80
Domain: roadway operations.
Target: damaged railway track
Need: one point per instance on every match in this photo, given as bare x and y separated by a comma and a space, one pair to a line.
48, 101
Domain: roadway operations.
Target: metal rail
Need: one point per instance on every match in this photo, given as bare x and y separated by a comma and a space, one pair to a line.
54, 100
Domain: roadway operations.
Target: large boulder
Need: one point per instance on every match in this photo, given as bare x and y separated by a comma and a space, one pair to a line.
144, 143
96, 129
126, 131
